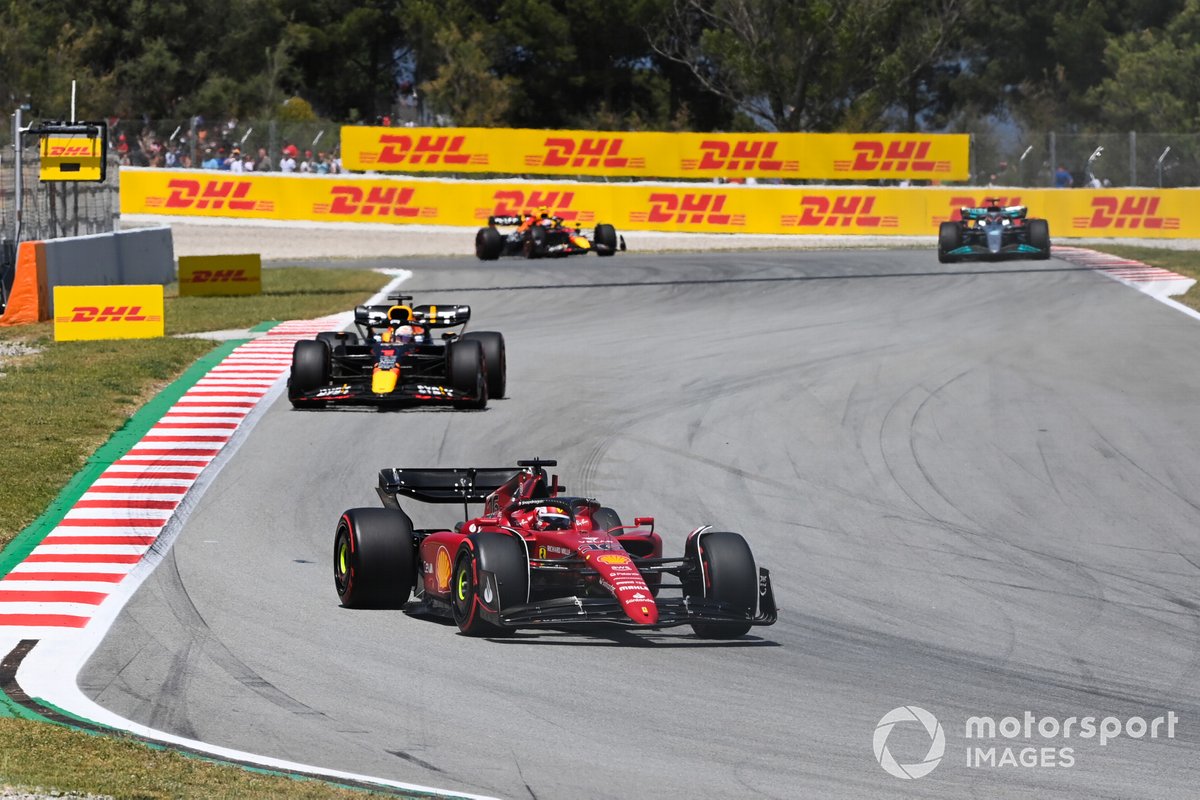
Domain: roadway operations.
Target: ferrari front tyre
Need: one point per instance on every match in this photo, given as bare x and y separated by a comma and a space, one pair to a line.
310, 369
494, 358
467, 372
373, 558
605, 239
489, 244
507, 560
726, 573
1039, 237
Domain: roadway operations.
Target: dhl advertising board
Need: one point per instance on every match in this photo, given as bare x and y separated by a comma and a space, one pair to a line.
697, 207
107, 312
222, 275
820, 156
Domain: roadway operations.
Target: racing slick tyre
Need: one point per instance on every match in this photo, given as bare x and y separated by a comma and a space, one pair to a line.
505, 557
949, 238
489, 244
373, 557
1039, 237
310, 370
605, 239
726, 573
467, 372
494, 358
535, 242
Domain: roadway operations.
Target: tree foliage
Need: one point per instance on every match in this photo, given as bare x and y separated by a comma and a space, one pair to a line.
791, 65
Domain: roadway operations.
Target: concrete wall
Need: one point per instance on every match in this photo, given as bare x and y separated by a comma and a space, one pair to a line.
142, 256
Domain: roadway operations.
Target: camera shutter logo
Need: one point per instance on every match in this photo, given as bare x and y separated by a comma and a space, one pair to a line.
937, 743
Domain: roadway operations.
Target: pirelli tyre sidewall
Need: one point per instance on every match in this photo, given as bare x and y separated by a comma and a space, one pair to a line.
723, 570
495, 360
506, 558
310, 368
373, 558
489, 244
605, 239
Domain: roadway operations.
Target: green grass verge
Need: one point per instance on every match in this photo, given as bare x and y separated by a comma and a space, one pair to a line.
1185, 262
55, 758
62, 401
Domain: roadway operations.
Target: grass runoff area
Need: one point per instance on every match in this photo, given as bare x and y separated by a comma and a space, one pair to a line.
61, 401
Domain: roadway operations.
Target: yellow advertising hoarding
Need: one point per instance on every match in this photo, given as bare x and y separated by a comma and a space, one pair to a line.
239, 274
71, 158
819, 156
107, 312
695, 207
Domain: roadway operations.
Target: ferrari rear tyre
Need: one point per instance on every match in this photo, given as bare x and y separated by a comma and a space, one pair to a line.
373, 558
727, 574
310, 369
489, 244
506, 558
605, 239
494, 358
1039, 237
467, 372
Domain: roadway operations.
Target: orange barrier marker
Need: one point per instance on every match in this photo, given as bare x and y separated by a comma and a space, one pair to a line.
29, 300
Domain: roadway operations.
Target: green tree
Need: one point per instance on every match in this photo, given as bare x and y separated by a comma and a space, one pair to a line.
465, 89
1149, 76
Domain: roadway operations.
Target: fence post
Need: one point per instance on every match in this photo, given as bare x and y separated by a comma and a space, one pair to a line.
1133, 158
1053, 156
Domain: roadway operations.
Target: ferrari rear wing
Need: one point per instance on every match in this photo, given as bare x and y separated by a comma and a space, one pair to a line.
443, 484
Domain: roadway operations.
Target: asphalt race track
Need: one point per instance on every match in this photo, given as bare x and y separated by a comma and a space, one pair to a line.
974, 485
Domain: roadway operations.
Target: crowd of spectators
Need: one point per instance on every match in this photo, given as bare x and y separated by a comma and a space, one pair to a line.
217, 150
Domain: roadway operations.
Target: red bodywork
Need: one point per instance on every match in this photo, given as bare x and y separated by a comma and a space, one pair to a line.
511, 510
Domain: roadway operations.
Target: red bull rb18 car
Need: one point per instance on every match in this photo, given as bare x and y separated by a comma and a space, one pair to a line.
543, 236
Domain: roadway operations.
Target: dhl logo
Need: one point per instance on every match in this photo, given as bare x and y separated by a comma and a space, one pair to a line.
966, 201
742, 156
843, 211
899, 157
1126, 212
600, 151
402, 148
220, 276
699, 208
59, 150
514, 202
108, 314
191, 194
375, 201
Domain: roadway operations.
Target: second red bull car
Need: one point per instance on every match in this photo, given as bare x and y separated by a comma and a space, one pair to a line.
537, 557
543, 235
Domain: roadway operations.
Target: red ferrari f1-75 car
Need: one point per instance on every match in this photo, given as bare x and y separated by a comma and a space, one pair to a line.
537, 557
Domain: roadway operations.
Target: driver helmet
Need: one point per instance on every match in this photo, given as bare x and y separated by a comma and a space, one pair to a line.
403, 335
544, 212
550, 518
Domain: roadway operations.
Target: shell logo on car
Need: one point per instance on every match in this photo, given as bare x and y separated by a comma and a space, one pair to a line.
441, 569
613, 559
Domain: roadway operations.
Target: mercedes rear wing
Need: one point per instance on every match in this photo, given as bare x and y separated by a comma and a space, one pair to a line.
442, 484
